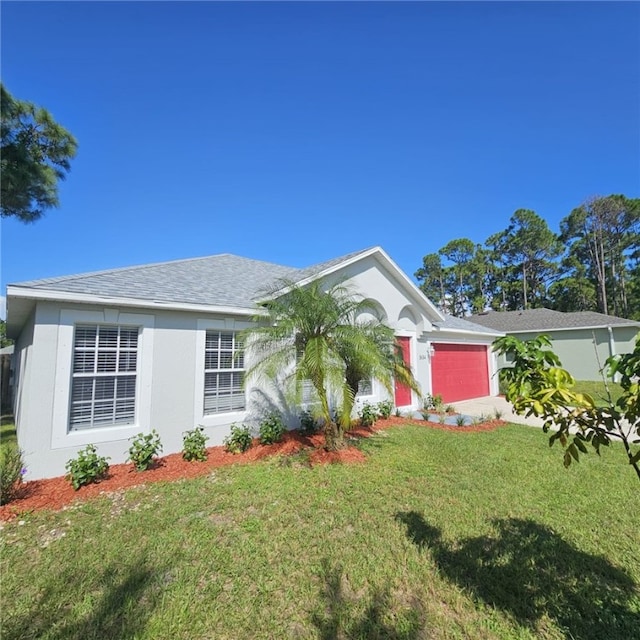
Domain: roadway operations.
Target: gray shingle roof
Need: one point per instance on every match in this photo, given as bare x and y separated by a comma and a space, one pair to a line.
546, 320
220, 280
451, 322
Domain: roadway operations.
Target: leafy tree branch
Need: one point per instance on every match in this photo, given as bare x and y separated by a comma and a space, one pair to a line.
537, 385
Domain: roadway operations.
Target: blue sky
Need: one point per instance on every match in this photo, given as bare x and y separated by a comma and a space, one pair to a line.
297, 132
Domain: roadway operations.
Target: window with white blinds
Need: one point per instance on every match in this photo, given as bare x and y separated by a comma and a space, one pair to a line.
103, 386
223, 373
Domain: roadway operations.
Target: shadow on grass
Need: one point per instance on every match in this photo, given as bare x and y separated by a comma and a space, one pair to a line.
117, 604
341, 614
528, 571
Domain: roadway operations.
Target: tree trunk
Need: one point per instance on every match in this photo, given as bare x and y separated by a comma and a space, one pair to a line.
334, 436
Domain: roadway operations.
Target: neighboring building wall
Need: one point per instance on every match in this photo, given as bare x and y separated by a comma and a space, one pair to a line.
583, 352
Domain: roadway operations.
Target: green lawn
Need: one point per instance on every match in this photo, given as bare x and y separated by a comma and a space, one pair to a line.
437, 535
7, 431
597, 390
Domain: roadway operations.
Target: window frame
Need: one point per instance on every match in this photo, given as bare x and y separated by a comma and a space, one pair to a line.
61, 434
214, 419
232, 353
371, 392
100, 363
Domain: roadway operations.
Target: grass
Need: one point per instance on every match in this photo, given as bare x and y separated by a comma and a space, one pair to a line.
597, 390
7, 432
437, 535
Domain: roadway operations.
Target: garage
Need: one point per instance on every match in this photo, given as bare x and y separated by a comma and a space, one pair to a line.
459, 371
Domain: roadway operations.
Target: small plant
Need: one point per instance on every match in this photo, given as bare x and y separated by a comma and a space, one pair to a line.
239, 440
194, 445
497, 414
143, 450
460, 421
433, 403
11, 471
308, 424
442, 417
482, 418
397, 413
368, 415
86, 467
272, 429
384, 409
449, 409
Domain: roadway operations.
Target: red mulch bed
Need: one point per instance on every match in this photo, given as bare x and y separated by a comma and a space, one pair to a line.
55, 493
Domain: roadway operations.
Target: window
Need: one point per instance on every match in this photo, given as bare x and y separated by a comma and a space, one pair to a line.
365, 387
223, 373
104, 371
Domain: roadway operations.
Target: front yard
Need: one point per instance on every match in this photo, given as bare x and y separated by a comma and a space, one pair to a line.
437, 534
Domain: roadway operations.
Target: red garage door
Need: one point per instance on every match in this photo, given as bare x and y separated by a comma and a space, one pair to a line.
459, 371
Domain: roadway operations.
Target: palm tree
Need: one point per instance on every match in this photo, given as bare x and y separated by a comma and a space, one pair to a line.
312, 335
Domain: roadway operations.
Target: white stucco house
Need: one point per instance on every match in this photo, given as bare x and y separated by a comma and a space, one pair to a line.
100, 357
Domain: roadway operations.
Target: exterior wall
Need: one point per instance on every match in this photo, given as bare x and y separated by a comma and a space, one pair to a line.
583, 351
21, 360
166, 398
401, 312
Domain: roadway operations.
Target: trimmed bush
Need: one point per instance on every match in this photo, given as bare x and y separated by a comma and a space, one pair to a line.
368, 415
239, 440
384, 409
308, 424
194, 445
143, 450
271, 429
86, 467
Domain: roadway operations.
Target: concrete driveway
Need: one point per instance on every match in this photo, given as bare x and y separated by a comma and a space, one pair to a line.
487, 406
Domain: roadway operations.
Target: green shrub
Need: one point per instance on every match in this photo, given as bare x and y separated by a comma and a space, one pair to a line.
368, 415
384, 409
86, 467
143, 450
239, 440
308, 424
460, 421
194, 445
272, 429
497, 414
11, 472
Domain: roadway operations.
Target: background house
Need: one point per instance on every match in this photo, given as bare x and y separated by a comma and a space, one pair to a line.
100, 357
583, 340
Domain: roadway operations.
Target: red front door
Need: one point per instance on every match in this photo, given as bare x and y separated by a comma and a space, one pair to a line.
403, 393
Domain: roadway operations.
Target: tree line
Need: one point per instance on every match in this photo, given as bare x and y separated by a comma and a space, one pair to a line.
591, 264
